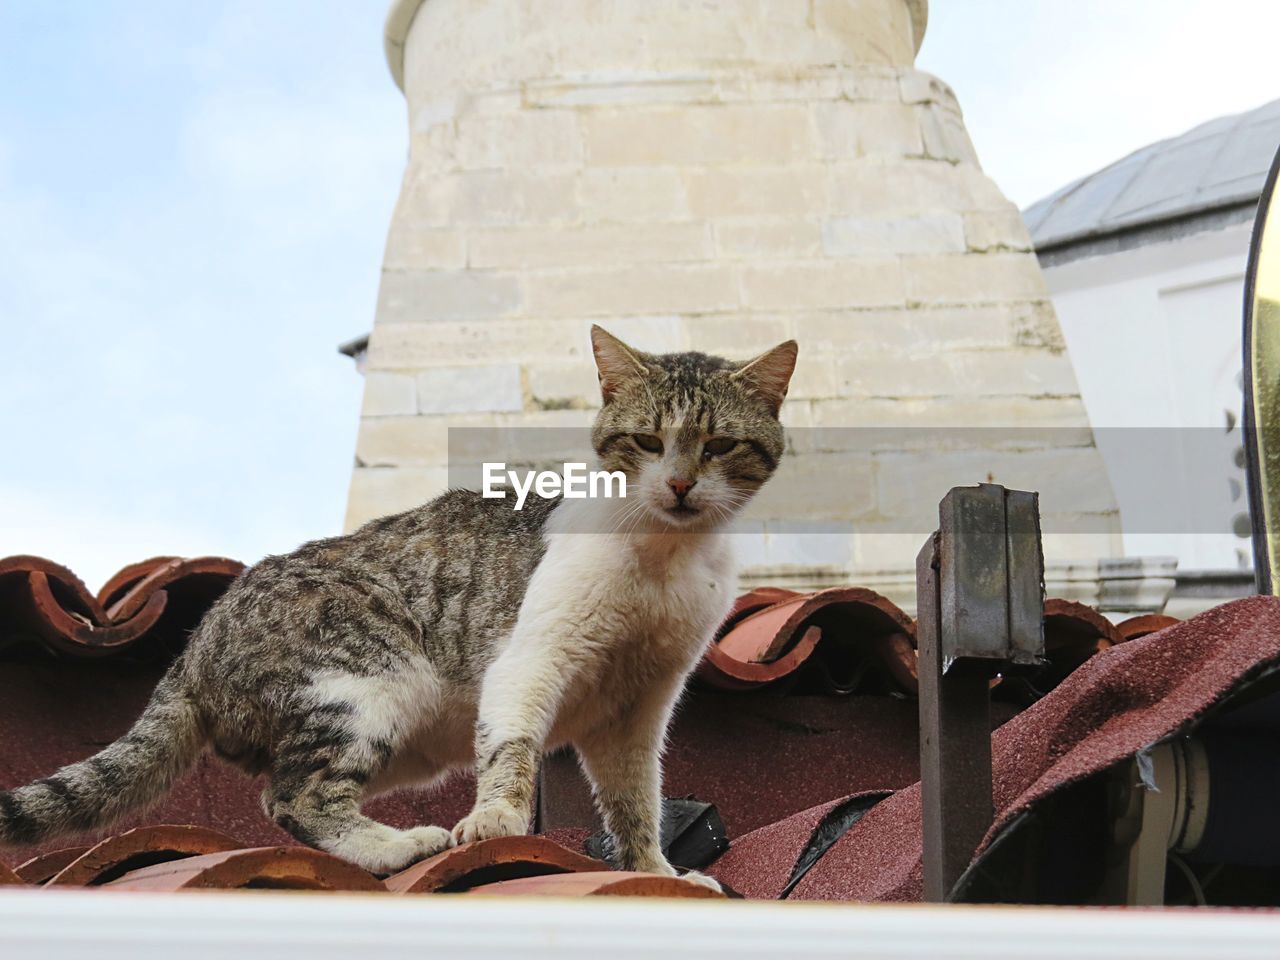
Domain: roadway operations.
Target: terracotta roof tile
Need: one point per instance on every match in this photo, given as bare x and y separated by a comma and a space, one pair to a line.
1073, 632
278, 868
41, 869
164, 597
119, 583
1136, 627
609, 883
771, 635
1071, 623
489, 861
141, 847
165, 859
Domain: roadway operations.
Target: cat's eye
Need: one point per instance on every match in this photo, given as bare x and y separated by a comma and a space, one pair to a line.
718, 446
647, 442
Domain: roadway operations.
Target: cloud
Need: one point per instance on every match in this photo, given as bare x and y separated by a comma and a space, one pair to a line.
171, 304
1052, 91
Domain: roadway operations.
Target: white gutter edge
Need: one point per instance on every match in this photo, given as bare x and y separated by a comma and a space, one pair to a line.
63, 924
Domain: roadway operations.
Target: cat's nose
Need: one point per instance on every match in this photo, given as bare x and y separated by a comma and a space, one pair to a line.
680, 487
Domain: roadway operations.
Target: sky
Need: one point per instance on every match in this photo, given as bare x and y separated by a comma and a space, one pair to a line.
194, 201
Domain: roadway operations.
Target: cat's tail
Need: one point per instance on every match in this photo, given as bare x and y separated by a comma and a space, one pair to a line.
136, 770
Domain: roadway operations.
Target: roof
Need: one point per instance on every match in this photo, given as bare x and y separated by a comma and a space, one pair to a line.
1218, 166
166, 858
355, 346
155, 600
1113, 708
801, 729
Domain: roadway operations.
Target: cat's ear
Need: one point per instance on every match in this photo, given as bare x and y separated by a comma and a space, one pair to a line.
615, 361
769, 374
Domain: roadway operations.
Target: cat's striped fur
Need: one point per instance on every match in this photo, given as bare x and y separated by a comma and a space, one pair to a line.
466, 633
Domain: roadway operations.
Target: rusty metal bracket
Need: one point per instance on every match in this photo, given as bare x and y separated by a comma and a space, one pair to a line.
980, 603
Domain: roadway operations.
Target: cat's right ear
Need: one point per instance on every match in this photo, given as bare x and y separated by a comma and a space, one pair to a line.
615, 361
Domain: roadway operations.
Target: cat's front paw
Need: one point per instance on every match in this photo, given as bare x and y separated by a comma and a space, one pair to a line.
489, 821
430, 840
703, 880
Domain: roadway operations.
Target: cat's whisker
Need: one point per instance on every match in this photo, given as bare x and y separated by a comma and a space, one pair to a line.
633, 508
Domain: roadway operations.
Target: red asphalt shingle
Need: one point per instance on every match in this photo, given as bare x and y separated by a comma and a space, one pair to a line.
759, 865
1118, 703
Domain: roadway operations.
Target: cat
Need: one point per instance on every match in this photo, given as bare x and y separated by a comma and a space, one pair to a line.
467, 633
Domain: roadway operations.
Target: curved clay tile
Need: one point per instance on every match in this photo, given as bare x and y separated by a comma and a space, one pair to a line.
32, 589
753, 601
141, 847
1070, 623
604, 883
116, 587
268, 868
41, 869
169, 574
45, 600
775, 641
1073, 632
8, 876
489, 861
1136, 627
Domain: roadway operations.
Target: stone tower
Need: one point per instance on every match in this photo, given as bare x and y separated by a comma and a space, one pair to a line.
720, 176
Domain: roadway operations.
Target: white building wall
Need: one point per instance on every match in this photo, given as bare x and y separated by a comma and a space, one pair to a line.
721, 176
1155, 336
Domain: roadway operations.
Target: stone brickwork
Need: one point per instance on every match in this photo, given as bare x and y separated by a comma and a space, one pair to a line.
717, 176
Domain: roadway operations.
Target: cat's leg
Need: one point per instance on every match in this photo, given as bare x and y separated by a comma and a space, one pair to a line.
623, 761
325, 813
505, 776
626, 776
322, 772
518, 704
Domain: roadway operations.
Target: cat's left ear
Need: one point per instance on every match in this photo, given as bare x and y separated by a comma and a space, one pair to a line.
616, 362
769, 374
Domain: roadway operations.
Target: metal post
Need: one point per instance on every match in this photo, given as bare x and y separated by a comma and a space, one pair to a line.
1261, 398
980, 602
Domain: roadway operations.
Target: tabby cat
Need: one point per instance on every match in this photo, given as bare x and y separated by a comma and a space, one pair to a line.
465, 632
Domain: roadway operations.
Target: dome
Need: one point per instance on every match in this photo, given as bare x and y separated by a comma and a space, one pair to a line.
1214, 166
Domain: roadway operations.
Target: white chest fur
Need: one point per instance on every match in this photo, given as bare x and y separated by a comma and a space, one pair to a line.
607, 620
